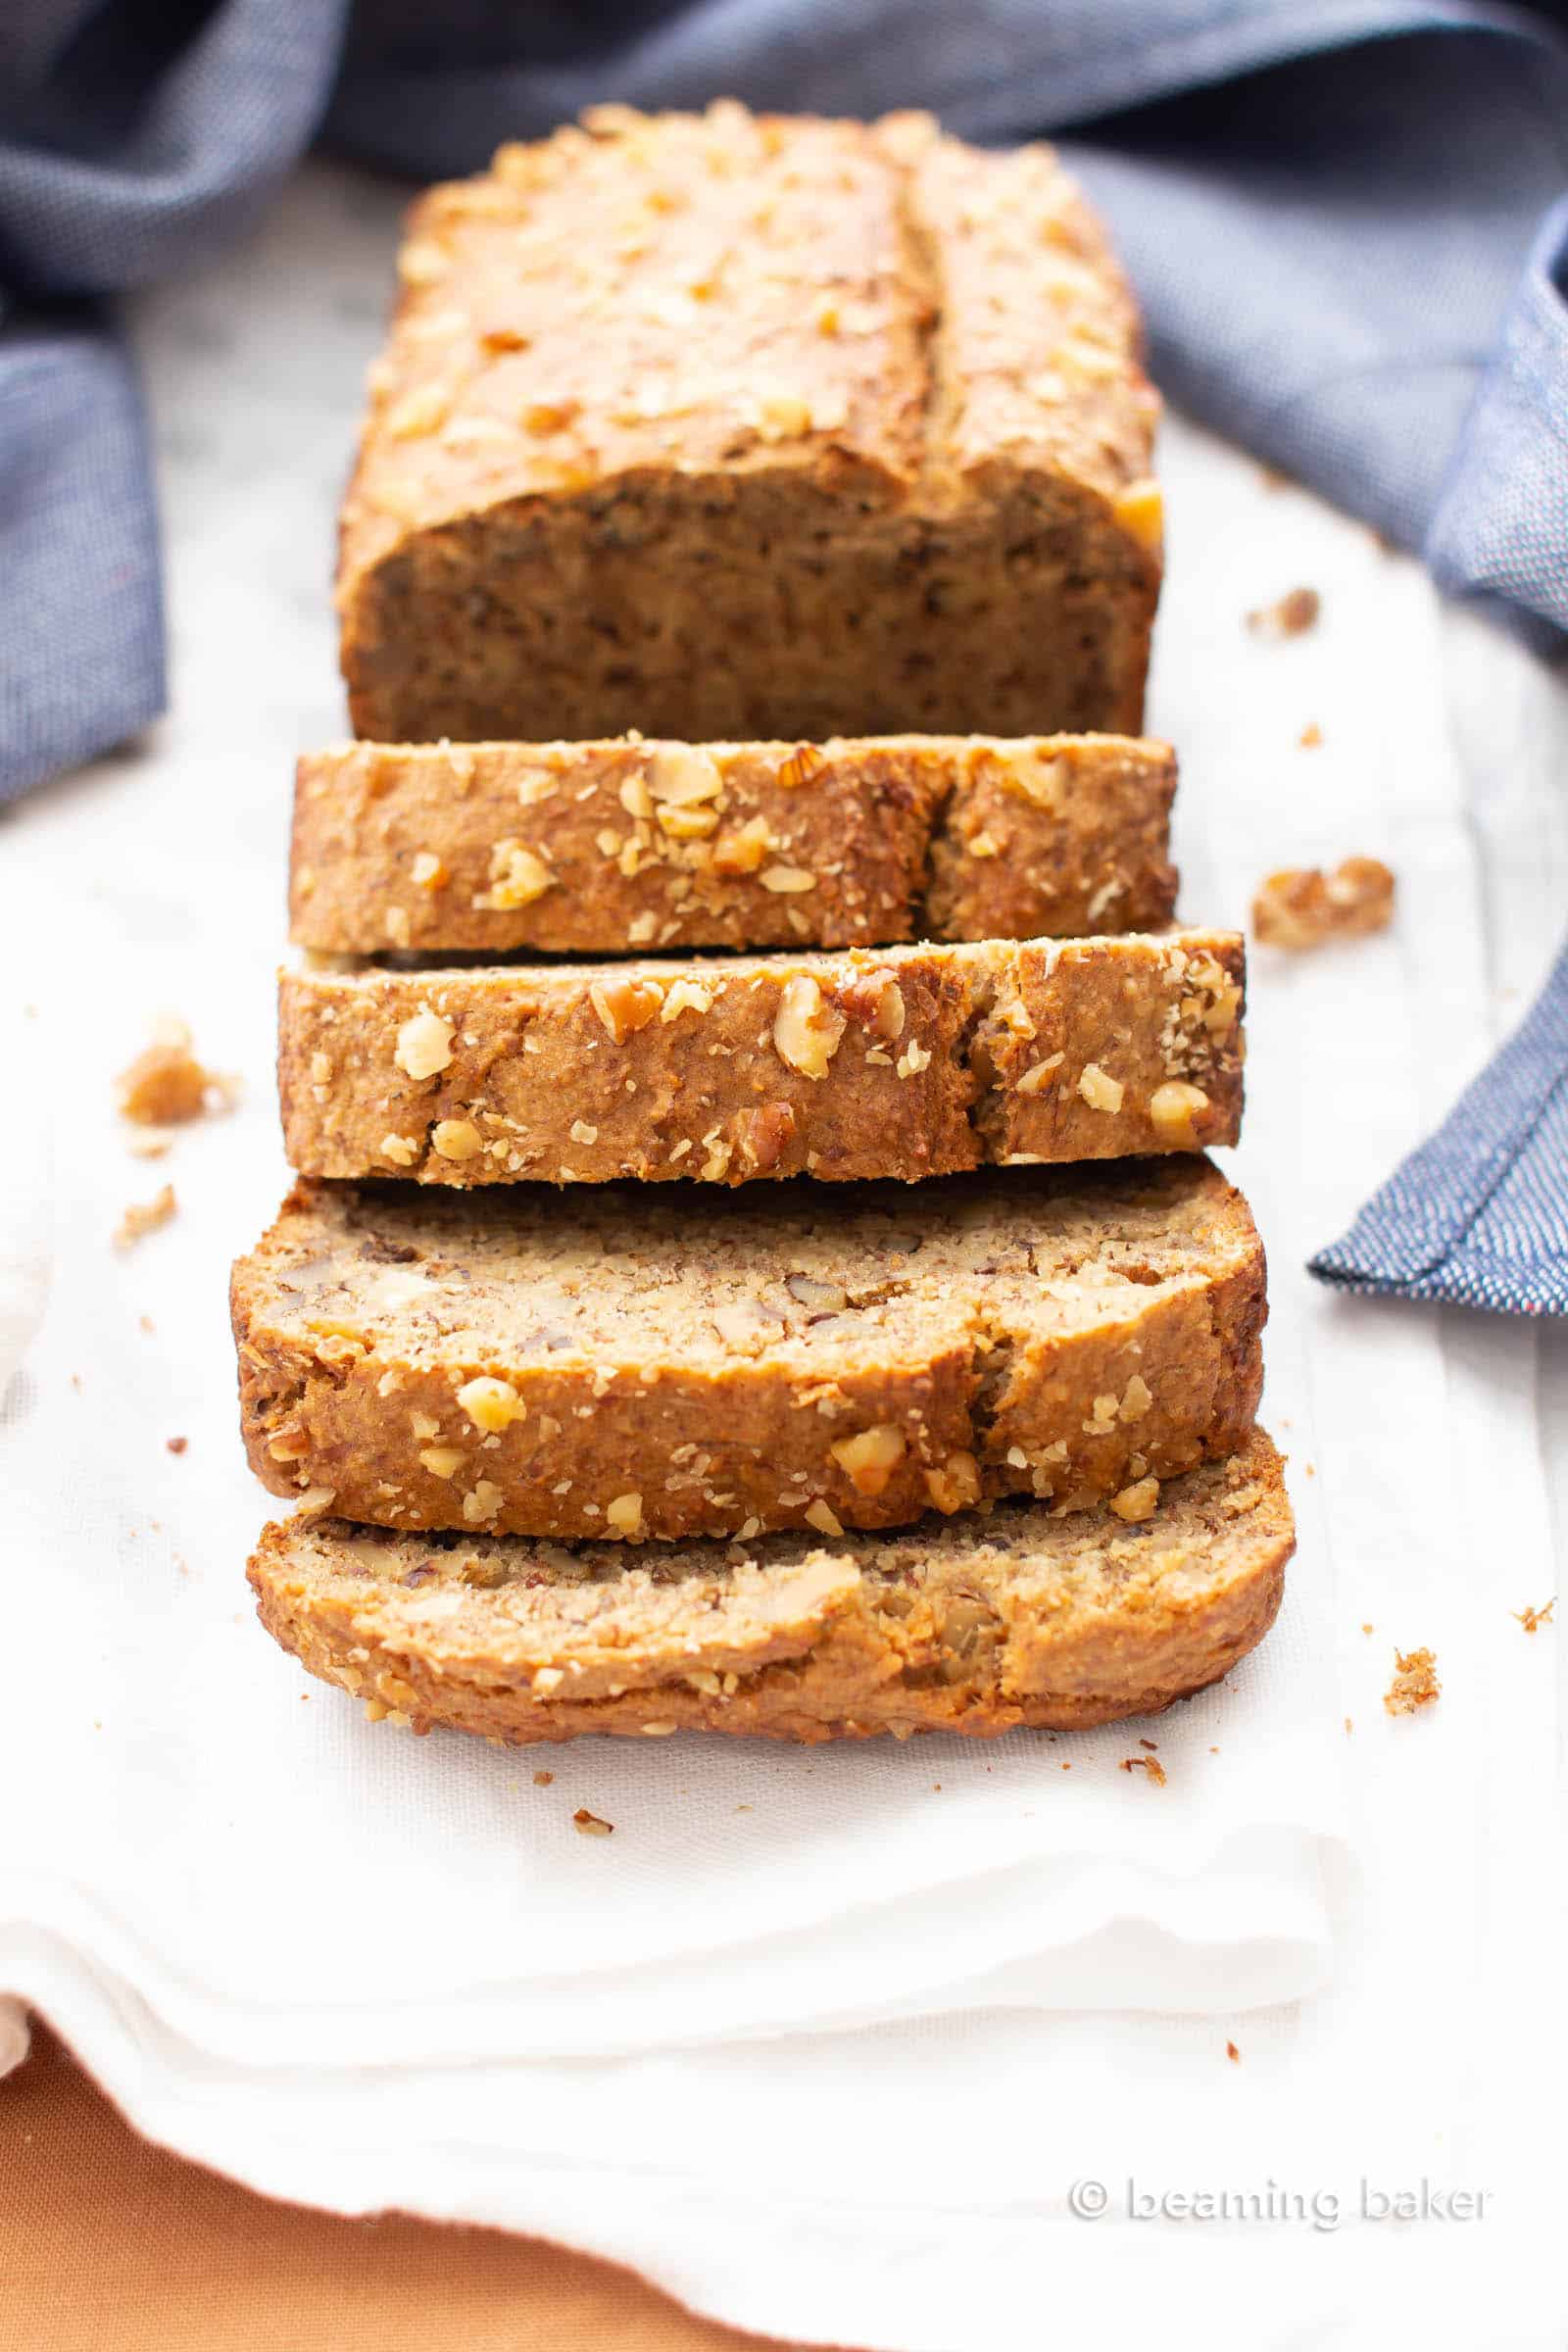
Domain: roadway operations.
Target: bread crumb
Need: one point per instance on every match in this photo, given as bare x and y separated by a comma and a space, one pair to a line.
542, 1780
1233, 2053
166, 1085
590, 1824
1311, 737
1292, 617
1349, 1727
176, 1445
1416, 1682
1301, 906
1369, 1629
1149, 1766
145, 1217
1533, 1619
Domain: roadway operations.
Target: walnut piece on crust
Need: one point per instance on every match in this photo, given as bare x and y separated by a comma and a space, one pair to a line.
1416, 1682
1301, 906
145, 1217
166, 1085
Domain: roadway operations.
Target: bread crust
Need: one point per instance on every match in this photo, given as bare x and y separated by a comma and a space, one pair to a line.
903, 1062
409, 846
721, 425
977, 1626
790, 1358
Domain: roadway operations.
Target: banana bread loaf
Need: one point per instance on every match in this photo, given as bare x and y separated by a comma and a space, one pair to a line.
593, 849
610, 1365
976, 1626
874, 1061
725, 428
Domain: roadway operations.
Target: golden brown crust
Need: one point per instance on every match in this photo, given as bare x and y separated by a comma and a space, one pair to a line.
414, 846
901, 1062
977, 1626
720, 426
791, 1354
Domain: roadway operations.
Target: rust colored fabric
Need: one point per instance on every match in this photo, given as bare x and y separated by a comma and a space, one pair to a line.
107, 2241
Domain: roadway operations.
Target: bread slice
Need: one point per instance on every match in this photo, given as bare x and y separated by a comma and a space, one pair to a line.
978, 1625
593, 849
723, 427
905, 1062
609, 1363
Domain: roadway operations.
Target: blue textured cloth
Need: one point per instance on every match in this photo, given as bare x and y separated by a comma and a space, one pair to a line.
1345, 218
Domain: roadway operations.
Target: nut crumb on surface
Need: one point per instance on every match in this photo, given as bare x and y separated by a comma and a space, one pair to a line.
176, 1445
1233, 2053
1292, 617
543, 1780
1415, 1682
1533, 1619
166, 1085
589, 1824
1310, 738
1301, 906
145, 1217
1149, 1766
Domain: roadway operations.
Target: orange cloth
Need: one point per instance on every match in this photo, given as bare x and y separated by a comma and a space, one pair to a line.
106, 2242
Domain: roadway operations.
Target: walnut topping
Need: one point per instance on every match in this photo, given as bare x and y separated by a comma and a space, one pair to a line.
484, 1503
742, 848
763, 1133
166, 1085
802, 763
869, 1459
491, 1405
145, 1217
1039, 1074
1172, 1109
1292, 617
625, 1515
457, 1139
1301, 906
1099, 1089
680, 776
955, 1486
624, 1006
1415, 1682
516, 877
806, 1028
1141, 512
685, 995
1138, 1501
428, 872
424, 1044
443, 1461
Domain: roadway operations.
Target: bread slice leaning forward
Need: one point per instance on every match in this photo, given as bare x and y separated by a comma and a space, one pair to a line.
905, 1061
605, 1364
976, 1625
607, 848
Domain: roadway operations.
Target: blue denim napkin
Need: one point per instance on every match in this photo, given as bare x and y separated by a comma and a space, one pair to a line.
1345, 218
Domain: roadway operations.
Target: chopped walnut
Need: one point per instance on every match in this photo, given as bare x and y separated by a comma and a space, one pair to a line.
1138, 1501
491, 1405
870, 1458
1172, 1109
1099, 1089
1292, 617
1150, 1767
806, 1028
1415, 1682
423, 1045
1302, 906
517, 876
625, 1515
1533, 1619
145, 1217
457, 1139
763, 1133
166, 1085
625, 1005
589, 1824
955, 1486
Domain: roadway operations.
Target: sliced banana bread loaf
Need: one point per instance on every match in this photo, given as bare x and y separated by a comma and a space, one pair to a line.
594, 849
905, 1062
723, 427
609, 1363
976, 1626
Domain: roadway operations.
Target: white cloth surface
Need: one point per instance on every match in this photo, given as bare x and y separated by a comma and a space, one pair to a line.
818, 2041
